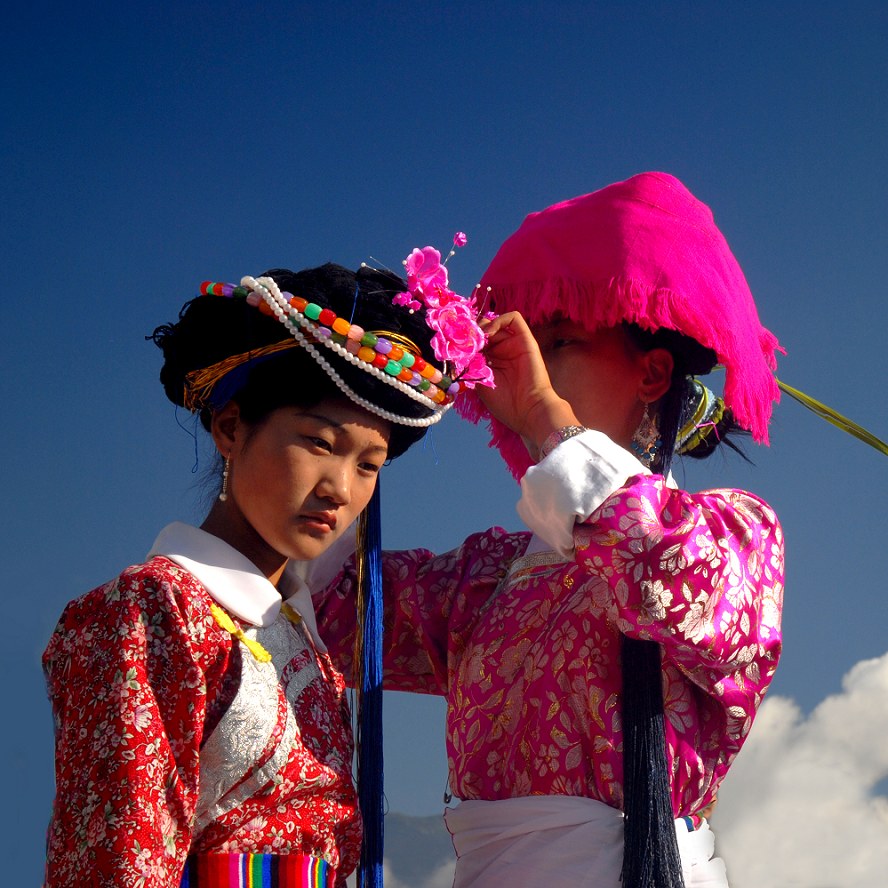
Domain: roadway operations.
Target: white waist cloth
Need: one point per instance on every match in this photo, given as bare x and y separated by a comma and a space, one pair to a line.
559, 840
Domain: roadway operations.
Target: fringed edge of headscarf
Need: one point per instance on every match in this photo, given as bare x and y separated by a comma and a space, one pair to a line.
371, 772
750, 388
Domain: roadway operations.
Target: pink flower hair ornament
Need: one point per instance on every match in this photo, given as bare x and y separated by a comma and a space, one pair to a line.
457, 339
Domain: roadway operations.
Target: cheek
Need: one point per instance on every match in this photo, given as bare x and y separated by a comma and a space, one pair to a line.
362, 491
569, 377
278, 482
554, 367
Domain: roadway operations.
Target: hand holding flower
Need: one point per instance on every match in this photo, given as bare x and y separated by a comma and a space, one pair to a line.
523, 398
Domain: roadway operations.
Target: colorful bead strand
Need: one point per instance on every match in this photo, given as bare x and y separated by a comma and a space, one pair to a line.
375, 350
272, 295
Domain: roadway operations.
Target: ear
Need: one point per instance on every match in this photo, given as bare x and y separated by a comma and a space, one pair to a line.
657, 366
226, 428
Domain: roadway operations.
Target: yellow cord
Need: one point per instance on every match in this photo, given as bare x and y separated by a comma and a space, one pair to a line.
199, 383
229, 625
291, 614
831, 416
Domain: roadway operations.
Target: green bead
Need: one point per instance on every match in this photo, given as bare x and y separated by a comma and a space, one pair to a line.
424, 385
339, 338
369, 339
312, 311
393, 368
445, 383
408, 360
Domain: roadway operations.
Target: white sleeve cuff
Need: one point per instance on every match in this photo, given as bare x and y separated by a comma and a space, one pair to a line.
571, 483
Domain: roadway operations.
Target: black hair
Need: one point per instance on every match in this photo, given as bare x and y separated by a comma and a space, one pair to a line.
212, 328
650, 855
680, 401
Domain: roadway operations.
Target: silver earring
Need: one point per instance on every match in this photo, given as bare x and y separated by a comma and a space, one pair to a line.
646, 441
223, 494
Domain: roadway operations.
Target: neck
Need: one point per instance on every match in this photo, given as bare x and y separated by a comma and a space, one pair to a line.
226, 522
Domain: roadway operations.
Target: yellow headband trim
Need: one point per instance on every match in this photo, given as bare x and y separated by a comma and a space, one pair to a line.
398, 339
200, 383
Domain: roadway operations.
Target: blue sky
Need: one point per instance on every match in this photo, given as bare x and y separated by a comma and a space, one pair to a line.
147, 148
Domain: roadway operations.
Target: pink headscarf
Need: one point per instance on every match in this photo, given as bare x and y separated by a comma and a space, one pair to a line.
645, 251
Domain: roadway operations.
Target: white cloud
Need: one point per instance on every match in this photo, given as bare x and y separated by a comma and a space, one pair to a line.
798, 807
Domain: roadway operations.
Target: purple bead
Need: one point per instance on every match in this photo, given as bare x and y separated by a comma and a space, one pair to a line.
323, 332
383, 346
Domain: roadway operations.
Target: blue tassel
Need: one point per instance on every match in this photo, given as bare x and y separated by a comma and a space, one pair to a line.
370, 754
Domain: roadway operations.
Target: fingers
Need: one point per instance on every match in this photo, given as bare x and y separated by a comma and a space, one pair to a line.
511, 322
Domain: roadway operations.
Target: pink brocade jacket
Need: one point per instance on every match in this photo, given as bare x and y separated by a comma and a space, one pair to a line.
526, 647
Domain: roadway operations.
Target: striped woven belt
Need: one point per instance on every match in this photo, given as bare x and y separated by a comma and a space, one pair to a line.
256, 871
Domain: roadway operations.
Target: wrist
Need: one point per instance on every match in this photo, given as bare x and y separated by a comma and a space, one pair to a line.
557, 437
543, 421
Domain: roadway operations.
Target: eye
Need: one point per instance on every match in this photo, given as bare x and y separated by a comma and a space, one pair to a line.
561, 342
370, 467
319, 443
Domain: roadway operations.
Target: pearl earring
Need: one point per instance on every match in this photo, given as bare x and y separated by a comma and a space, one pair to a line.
223, 494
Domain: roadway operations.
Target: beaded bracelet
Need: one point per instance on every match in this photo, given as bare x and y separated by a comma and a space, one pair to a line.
559, 436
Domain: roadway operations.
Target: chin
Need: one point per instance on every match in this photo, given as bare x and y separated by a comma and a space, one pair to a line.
309, 546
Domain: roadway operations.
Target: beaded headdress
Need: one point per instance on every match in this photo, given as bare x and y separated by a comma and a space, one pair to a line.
457, 342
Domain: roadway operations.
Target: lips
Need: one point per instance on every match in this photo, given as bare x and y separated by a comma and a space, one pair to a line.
326, 519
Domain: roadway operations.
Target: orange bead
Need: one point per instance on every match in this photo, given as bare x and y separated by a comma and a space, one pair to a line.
341, 326
298, 303
366, 354
405, 375
265, 308
396, 353
428, 371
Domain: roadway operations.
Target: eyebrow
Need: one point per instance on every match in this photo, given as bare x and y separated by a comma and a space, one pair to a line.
320, 416
377, 448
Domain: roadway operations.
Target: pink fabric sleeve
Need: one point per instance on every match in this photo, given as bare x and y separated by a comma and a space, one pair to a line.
701, 574
128, 691
431, 603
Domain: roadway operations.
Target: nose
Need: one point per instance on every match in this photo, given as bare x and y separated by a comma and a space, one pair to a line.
335, 484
